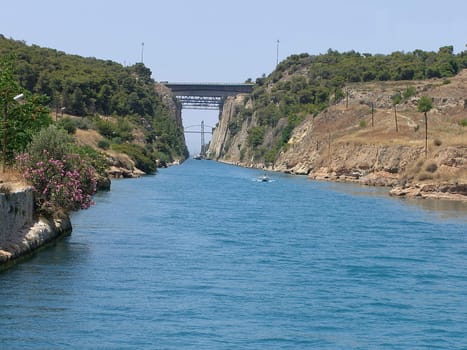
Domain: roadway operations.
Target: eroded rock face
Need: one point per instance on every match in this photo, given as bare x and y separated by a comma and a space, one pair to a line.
439, 191
225, 144
342, 144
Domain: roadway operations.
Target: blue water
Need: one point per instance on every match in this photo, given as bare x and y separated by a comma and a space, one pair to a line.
201, 256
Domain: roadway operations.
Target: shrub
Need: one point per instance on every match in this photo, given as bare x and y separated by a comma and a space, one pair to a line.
67, 124
432, 167
362, 123
105, 128
463, 122
93, 157
62, 181
409, 92
256, 136
425, 176
59, 185
83, 123
121, 128
103, 144
162, 157
270, 155
54, 141
233, 127
286, 134
437, 142
143, 160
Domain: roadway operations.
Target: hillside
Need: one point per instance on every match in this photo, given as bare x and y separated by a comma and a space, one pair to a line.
349, 133
120, 103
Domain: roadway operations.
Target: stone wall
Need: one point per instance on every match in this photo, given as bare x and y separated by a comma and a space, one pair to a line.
20, 234
16, 211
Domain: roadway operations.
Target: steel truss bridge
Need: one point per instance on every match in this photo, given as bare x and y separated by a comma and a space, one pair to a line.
202, 132
206, 95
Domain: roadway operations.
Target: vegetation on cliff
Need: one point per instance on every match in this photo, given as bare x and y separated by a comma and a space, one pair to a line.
328, 117
20, 121
120, 102
305, 85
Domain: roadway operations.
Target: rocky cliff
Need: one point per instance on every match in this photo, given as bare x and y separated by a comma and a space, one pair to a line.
169, 100
225, 141
356, 139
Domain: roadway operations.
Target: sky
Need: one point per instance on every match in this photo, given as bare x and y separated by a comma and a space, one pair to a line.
230, 41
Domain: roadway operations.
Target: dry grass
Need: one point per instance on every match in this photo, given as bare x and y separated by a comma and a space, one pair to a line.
442, 131
12, 179
427, 170
88, 137
444, 127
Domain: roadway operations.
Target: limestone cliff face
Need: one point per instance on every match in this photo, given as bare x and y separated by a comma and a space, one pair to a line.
310, 150
350, 141
170, 102
176, 112
227, 141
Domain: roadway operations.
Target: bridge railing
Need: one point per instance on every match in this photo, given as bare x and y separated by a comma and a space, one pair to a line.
206, 95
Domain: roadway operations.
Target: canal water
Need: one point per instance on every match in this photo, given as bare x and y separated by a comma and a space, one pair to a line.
202, 256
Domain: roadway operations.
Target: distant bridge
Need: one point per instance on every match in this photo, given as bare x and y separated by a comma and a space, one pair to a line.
206, 95
202, 153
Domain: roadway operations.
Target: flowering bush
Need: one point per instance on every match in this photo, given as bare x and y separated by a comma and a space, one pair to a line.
59, 184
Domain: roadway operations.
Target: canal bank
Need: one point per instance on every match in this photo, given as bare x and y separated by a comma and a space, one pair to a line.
21, 234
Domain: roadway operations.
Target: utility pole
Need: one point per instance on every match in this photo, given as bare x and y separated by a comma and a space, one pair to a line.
277, 52
142, 52
372, 114
5, 114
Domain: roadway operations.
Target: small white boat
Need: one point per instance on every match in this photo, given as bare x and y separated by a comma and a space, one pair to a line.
263, 178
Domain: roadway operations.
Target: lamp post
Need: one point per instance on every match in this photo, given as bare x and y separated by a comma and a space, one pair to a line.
5, 115
277, 53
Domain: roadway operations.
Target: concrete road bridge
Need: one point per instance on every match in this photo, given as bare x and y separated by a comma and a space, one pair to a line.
206, 95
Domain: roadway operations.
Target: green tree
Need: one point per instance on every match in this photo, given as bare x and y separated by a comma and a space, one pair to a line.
88, 85
104, 99
20, 120
8, 88
425, 104
256, 136
77, 103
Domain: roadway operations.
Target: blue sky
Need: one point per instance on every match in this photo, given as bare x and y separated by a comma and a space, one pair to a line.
230, 41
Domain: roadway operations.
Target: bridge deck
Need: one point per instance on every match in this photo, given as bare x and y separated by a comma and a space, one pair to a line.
206, 95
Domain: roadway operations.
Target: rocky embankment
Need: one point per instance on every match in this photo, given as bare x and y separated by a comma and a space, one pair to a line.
347, 142
20, 233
